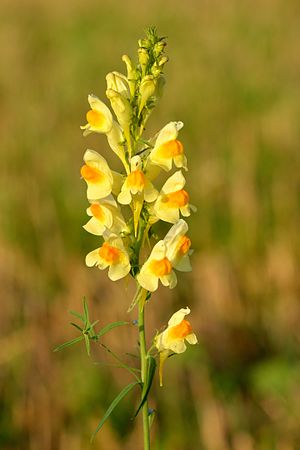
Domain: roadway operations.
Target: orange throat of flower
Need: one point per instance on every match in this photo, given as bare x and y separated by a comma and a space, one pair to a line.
177, 199
110, 254
97, 211
161, 267
181, 330
91, 174
136, 179
170, 149
184, 245
95, 118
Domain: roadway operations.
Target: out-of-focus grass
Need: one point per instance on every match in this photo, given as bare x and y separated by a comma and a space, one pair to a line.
233, 78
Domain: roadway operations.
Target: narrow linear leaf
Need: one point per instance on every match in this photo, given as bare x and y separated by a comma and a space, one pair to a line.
112, 406
68, 344
76, 314
76, 326
110, 326
86, 312
146, 388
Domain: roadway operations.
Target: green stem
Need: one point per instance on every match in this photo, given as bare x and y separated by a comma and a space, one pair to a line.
144, 367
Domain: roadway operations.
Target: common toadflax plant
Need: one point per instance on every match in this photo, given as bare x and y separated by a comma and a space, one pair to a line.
123, 207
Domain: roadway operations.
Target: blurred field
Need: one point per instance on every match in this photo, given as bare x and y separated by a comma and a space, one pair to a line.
233, 79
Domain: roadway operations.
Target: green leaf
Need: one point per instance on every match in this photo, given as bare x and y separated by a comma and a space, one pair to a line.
110, 326
76, 314
86, 313
76, 326
68, 344
146, 388
112, 406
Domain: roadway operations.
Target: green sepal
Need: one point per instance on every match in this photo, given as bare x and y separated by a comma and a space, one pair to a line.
147, 387
68, 343
112, 406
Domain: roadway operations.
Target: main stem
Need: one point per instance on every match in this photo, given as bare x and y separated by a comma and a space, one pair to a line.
144, 367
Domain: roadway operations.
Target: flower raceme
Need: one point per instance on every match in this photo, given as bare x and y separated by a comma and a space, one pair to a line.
172, 339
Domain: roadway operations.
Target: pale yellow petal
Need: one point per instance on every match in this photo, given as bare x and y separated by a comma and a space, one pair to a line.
178, 317
192, 339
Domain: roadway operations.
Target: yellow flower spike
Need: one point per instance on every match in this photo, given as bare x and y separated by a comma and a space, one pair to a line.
172, 339
172, 200
99, 117
105, 215
178, 246
97, 175
168, 149
112, 255
157, 267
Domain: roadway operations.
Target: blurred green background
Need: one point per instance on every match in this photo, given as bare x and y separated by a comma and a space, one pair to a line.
233, 79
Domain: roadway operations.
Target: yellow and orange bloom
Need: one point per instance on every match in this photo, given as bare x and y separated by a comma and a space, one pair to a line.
168, 148
105, 215
172, 200
137, 183
99, 118
179, 246
157, 267
172, 339
112, 255
97, 175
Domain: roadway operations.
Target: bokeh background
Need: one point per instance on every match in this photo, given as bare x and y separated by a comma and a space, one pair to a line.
233, 79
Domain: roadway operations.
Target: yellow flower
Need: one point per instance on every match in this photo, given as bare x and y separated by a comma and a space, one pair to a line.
178, 246
97, 175
172, 199
137, 183
168, 149
99, 117
157, 267
172, 339
105, 215
111, 254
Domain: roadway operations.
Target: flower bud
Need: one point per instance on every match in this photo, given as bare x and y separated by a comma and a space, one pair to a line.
147, 89
143, 58
131, 73
159, 48
118, 82
121, 107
